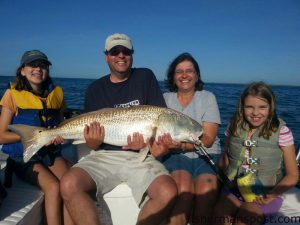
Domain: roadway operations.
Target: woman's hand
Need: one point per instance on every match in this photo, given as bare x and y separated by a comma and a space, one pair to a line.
136, 142
162, 145
94, 135
167, 140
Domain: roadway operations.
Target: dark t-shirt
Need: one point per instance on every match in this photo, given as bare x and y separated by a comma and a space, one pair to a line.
141, 88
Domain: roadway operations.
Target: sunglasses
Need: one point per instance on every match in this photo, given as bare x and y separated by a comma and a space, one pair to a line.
115, 52
41, 65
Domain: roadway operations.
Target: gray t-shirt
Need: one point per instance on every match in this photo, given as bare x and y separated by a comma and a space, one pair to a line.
203, 107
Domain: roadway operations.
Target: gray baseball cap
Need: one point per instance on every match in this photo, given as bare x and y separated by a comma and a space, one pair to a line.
33, 55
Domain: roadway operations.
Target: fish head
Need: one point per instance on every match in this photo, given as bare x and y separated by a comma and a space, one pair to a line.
181, 127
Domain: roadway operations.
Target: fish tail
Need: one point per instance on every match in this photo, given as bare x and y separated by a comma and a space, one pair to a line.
31, 139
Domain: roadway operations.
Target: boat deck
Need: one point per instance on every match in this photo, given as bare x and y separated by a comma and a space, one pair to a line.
24, 202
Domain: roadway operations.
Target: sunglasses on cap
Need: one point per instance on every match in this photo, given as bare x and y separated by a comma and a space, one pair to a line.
36, 64
116, 51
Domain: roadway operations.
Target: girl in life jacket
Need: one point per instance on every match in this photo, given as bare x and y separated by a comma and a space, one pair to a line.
259, 158
34, 100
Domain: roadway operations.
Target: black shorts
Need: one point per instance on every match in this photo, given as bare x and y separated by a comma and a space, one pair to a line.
46, 156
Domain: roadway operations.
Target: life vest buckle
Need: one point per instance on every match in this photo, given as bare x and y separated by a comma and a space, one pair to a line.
250, 143
250, 170
252, 160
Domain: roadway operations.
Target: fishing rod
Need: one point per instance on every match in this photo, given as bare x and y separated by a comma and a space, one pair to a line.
298, 157
220, 174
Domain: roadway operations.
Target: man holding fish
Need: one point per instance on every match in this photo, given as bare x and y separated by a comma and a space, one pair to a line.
106, 168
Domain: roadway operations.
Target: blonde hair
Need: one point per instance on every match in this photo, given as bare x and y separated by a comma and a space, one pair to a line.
262, 91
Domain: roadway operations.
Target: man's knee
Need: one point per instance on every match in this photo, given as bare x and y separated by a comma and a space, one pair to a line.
69, 184
75, 181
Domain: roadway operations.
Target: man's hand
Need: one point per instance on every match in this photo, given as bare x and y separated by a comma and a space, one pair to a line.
136, 142
94, 135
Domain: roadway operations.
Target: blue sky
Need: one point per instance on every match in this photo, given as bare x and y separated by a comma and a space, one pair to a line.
234, 41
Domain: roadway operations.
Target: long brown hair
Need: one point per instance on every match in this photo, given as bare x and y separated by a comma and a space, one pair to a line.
263, 91
21, 83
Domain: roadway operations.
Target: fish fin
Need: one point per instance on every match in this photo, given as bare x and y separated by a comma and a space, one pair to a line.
30, 138
154, 132
143, 153
77, 142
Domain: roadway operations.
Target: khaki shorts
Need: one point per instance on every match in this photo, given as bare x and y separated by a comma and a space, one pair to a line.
110, 168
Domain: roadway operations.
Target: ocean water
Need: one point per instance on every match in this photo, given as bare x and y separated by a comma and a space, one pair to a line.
288, 103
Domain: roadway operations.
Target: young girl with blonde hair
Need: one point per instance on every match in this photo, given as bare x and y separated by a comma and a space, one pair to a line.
259, 157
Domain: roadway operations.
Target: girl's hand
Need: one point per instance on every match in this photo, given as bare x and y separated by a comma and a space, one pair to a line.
264, 200
136, 142
56, 141
94, 135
